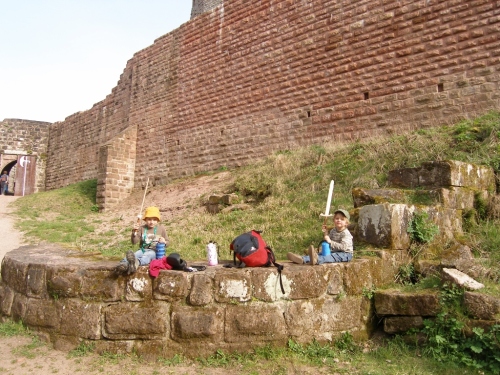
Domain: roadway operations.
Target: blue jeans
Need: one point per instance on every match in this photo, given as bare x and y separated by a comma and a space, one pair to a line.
144, 258
331, 258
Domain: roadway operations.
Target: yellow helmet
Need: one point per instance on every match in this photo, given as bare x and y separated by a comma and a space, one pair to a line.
152, 212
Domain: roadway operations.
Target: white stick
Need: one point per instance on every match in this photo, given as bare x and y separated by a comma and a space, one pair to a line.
329, 201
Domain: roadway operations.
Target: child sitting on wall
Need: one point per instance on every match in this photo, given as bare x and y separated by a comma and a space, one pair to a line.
339, 239
147, 235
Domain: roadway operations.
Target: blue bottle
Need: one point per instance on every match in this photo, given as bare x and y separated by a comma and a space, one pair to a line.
160, 250
325, 248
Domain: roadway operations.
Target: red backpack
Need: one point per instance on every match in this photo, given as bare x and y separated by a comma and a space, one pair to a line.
252, 251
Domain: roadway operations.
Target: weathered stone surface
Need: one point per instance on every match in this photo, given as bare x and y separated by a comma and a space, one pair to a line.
41, 313
197, 323
242, 325
455, 254
236, 207
355, 285
65, 343
306, 281
362, 197
385, 225
202, 292
18, 310
14, 274
444, 174
6, 300
461, 279
80, 318
233, 285
482, 306
266, 284
448, 221
136, 321
36, 282
335, 281
454, 197
64, 281
395, 302
229, 199
171, 285
115, 346
139, 286
400, 324
324, 318
215, 199
101, 285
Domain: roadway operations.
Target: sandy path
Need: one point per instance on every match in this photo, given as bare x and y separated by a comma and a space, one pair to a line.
11, 238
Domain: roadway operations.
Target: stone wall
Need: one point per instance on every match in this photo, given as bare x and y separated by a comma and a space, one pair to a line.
24, 137
202, 6
66, 299
115, 179
249, 78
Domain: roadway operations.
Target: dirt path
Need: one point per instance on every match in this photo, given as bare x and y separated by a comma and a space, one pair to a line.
11, 239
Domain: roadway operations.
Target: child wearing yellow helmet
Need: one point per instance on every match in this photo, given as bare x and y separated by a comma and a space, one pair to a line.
147, 235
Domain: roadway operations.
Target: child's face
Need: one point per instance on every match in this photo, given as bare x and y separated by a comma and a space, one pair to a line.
151, 222
340, 221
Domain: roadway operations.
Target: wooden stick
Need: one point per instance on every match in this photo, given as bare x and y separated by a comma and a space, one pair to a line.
139, 217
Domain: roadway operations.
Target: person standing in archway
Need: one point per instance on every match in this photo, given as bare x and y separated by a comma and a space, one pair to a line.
4, 183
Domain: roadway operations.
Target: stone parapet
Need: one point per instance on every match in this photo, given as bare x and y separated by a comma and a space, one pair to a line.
67, 297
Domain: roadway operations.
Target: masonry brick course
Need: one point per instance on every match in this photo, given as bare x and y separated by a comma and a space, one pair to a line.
250, 78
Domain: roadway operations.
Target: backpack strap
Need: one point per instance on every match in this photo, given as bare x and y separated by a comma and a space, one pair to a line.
279, 267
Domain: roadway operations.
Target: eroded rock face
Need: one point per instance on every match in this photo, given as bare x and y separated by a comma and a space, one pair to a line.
394, 302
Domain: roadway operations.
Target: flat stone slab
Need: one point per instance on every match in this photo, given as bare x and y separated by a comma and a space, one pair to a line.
461, 279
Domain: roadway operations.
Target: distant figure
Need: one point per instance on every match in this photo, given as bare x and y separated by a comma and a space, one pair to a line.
4, 183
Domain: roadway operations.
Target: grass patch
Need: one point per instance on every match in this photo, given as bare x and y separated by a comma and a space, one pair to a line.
11, 328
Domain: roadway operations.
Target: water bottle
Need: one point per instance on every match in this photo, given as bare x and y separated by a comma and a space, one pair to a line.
212, 253
160, 250
325, 248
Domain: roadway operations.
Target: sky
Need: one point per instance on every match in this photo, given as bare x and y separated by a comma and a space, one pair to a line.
59, 57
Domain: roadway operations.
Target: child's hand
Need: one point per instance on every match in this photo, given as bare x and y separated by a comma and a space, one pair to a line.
136, 226
161, 240
324, 229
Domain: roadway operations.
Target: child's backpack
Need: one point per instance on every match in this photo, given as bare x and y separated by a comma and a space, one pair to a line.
251, 249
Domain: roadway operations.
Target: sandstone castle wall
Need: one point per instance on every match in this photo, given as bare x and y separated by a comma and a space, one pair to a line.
249, 78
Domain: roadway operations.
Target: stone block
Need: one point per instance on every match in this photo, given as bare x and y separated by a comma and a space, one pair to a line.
64, 281
444, 174
36, 282
102, 285
362, 197
65, 343
206, 324
19, 305
401, 324
171, 285
81, 319
395, 302
229, 199
6, 300
354, 284
385, 225
215, 199
266, 284
202, 292
306, 281
41, 313
14, 274
335, 284
461, 279
233, 285
131, 321
458, 198
255, 323
482, 306
323, 318
139, 286
455, 254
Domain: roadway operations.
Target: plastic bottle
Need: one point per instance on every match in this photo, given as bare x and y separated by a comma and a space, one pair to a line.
212, 253
160, 250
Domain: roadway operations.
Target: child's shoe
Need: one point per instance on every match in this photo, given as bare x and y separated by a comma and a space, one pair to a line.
133, 263
295, 258
313, 255
121, 268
